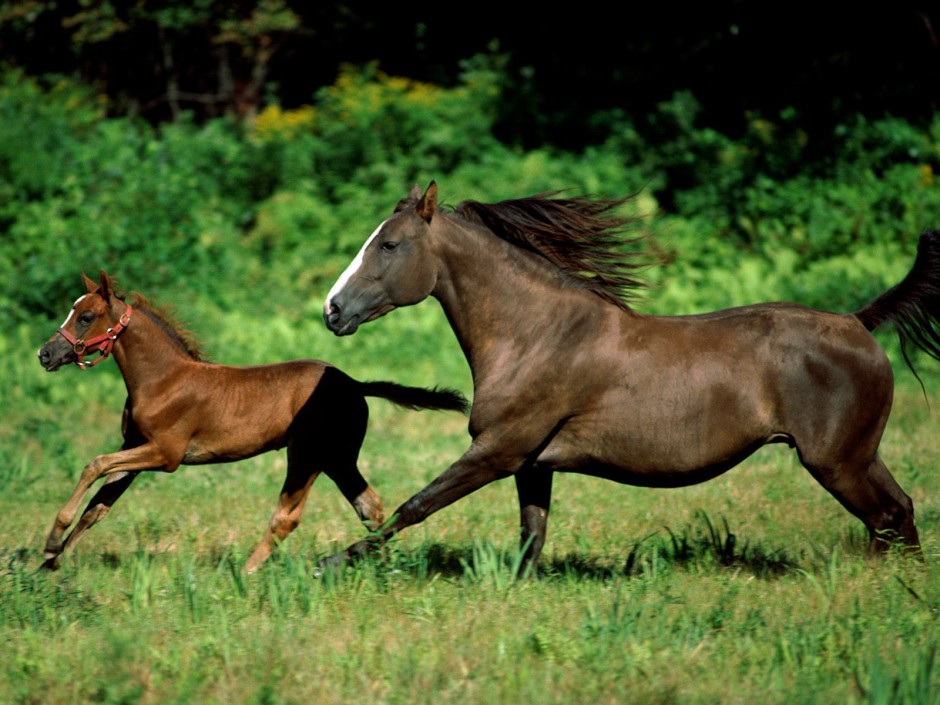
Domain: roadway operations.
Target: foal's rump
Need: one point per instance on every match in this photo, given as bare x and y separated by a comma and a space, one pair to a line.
299, 399
250, 409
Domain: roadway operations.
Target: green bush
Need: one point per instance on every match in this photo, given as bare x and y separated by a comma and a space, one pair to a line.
283, 202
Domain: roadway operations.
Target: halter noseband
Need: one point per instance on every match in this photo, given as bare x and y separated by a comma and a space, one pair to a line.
100, 343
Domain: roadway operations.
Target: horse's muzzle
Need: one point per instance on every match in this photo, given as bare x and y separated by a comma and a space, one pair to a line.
333, 317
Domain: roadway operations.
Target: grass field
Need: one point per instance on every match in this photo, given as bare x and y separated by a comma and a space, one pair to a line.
752, 588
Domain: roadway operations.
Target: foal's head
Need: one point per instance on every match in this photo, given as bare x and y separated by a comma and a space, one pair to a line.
96, 318
394, 268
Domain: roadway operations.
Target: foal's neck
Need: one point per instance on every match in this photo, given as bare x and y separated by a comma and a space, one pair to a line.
145, 352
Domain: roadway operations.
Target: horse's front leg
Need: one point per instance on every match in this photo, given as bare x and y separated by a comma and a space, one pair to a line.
143, 457
477, 468
534, 487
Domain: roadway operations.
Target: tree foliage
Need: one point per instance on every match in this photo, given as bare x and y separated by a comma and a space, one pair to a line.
568, 75
284, 199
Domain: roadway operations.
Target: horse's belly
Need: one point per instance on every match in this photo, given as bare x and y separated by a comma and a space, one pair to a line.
674, 445
649, 465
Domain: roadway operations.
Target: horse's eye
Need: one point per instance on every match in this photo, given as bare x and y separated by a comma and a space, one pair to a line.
86, 317
389, 246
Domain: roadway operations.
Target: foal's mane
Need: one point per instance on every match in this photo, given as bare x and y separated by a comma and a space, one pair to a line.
166, 321
581, 236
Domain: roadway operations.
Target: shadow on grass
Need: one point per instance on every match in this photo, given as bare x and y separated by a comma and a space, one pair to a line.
703, 545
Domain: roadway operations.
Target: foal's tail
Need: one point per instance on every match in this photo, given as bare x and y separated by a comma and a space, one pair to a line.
417, 397
913, 305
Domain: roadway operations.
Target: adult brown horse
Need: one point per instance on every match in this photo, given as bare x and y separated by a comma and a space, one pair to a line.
183, 411
568, 377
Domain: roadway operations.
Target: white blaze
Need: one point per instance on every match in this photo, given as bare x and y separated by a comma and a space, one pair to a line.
72, 312
351, 269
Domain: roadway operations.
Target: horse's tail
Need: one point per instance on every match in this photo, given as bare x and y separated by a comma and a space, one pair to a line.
417, 397
913, 305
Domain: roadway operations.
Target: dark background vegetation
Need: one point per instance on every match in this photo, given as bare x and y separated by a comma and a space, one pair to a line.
782, 150
565, 64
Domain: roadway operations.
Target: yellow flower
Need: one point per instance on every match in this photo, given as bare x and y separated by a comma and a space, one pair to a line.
926, 175
274, 122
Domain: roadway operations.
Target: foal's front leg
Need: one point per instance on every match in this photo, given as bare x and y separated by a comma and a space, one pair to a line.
144, 457
97, 509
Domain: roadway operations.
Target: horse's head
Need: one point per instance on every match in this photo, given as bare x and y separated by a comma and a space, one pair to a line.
96, 319
395, 267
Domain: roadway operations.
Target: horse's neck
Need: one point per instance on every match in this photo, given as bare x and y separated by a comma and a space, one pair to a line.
498, 296
146, 353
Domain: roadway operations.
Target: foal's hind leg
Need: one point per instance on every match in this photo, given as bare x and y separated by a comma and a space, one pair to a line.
872, 494
290, 506
325, 436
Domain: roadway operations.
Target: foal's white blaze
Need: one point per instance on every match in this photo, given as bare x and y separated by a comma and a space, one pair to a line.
351, 269
72, 312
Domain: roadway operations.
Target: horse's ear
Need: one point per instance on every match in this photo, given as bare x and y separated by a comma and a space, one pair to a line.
410, 200
91, 286
104, 285
428, 203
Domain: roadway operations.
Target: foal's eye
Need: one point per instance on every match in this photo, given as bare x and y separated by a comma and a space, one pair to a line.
86, 317
389, 246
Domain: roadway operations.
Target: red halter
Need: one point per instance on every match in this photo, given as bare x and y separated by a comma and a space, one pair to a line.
100, 343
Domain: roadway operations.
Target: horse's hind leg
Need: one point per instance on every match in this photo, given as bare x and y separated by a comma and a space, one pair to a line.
534, 487
97, 509
874, 496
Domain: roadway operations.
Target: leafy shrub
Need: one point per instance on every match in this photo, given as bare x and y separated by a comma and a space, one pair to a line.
42, 124
371, 127
215, 208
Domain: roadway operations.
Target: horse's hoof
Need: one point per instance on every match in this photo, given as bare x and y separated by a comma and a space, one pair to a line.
330, 565
51, 563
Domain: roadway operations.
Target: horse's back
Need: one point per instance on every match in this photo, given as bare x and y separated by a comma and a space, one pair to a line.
690, 396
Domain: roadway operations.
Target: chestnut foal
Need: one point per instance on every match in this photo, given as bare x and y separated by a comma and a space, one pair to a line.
183, 411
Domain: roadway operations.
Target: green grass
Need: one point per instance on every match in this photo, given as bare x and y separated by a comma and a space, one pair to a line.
750, 588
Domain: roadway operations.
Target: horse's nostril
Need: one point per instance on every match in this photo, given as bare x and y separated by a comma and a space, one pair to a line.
333, 313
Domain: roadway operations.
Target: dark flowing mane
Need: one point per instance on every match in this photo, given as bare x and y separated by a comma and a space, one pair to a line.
165, 319
581, 236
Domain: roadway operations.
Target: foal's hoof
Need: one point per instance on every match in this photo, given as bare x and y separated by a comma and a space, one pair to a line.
52, 549
51, 563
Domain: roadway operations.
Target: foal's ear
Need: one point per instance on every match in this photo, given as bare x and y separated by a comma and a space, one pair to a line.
410, 200
104, 285
91, 286
428, 203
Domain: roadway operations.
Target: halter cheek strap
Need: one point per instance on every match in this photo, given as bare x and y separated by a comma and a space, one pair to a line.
100, 343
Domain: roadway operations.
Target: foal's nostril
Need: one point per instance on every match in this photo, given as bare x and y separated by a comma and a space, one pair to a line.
45, 357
